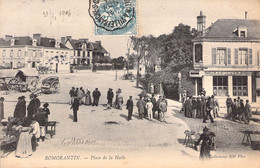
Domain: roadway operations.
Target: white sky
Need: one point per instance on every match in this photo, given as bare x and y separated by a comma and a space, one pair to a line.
25, 17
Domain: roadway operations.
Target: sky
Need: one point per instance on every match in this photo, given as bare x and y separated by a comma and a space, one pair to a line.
154, 17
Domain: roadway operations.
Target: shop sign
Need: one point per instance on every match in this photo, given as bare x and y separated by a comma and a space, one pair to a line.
227, 73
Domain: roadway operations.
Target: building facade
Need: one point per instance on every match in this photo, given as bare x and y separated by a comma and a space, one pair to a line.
27, 52
226, 59
85, 53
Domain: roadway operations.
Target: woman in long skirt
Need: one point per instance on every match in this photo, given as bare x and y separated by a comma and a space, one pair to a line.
24, 144
88, 98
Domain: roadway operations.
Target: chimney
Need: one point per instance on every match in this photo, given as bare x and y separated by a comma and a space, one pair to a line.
8, 37
62, 40
201, 24
245, 15
98, 42
37, 37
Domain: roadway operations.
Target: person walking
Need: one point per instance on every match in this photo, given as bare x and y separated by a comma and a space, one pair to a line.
75, 107
229, 104
215, 106
157, 107
129, 107
153, 100
140, 105
149, 107
88, 98
96, 95
205, 146
110, 96
209, 107
242, 112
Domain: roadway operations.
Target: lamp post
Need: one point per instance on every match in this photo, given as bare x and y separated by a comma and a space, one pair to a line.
179, 76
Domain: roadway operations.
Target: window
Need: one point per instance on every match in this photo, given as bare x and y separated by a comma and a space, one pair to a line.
198, 53
242, 34
78, 52
220, 85
11, 53
243, 56
3, 53
88, 54
240, 86
34, 54
83, 53
221, 56
19, 53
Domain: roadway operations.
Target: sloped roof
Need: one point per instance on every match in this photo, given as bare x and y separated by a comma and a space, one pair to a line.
22, 40
226, 28
92, 46
49, 42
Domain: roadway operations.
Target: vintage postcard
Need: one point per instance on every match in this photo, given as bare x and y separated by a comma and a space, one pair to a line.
129, 83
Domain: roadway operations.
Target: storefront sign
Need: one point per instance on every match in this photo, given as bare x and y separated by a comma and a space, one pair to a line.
230, 73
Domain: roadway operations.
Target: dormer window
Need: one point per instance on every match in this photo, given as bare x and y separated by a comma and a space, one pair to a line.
57, 44
84, 46
34, 42
242, 34
12, 42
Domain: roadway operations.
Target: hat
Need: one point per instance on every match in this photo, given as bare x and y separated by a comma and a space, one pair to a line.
22, 97
205, 129
45, 105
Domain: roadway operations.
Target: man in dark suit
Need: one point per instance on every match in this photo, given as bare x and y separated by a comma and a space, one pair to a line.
33, 106
75, 107
129, 107
96, 94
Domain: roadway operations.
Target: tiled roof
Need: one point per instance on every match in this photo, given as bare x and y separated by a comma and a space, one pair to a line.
23, 40
49, 42
225, 28
98, 48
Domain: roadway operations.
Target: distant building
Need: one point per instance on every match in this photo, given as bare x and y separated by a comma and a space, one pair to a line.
24, 51
85, 53
226, 58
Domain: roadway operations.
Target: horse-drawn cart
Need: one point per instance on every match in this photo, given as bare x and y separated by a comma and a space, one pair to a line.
25, 79
50, 85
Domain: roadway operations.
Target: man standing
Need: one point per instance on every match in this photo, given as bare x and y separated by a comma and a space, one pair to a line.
42, 118
157, 106
80, 95
140, 105
110, 96
229, 104
163, 108
33, 106
149, 107
129, 107
72, 93
20, 108
153, 100
75, 107
215, 106
96, 95
189, 107
248, 111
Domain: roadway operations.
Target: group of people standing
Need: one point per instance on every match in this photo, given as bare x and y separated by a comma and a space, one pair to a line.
147, 107
200, 106
237, 108
31, 128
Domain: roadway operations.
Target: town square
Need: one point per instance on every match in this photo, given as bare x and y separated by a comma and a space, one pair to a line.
103, 84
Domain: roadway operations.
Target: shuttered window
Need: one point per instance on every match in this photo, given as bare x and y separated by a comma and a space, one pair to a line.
213, 52
229, 56
250, 61
236, 56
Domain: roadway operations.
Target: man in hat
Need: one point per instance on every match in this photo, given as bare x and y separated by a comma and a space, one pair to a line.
33, 106
149, 107
153, 100
129, 107
205, 146
96, 95
75, 107
140, 105
209, 107
110, 96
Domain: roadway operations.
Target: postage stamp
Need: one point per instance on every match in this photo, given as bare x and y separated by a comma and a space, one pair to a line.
113, 17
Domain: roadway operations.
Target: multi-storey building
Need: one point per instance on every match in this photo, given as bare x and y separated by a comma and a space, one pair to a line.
19, 52
226, 58
84, 52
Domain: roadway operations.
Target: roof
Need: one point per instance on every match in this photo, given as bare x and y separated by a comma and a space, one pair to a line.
91, 46
13, 72
49, 42
226, 29
22, 40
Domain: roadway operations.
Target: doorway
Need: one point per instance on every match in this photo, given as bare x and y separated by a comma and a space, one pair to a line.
199, 85
33, 64
56, 67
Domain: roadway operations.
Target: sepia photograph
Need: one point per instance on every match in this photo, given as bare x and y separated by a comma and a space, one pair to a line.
129, 83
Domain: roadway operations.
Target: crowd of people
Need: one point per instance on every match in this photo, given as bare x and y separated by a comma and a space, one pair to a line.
147, 106
207, 107
29, 129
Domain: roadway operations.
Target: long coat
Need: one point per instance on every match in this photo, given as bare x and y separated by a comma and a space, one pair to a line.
140, 105
205, 146
96, 94
33, 107
20, 109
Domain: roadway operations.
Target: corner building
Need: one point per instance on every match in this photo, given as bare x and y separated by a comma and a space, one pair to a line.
226, 59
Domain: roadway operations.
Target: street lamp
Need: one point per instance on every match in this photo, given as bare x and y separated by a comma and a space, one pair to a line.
179, 76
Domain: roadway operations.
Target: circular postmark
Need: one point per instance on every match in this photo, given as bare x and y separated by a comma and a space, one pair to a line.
111, 14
